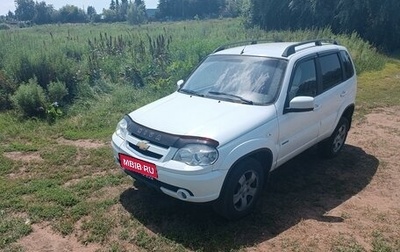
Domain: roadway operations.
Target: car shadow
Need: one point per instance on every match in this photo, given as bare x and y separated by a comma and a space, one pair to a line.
306, 187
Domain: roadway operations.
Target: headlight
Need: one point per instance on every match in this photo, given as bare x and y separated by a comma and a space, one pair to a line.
197, 154
121, 129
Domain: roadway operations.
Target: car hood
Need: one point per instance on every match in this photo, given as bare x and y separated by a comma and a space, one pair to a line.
182, 114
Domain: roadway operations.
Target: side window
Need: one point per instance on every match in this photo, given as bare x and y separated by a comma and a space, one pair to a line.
330, 70
347, 65
304, 82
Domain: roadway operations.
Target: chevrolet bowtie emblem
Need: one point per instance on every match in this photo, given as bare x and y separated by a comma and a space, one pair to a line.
143, 145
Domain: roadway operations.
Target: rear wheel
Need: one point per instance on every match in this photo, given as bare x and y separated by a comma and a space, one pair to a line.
241, 190
331, 147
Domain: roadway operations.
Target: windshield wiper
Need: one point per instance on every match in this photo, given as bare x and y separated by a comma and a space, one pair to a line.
191, 92
243, 100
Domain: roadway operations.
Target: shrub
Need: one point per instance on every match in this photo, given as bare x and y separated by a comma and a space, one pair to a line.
4, 100
6, 89
30, 99
4, 27
47, 68
57, 91
22, 71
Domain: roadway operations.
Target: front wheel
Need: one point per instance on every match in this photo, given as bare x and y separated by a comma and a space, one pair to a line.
331, 147
241, 190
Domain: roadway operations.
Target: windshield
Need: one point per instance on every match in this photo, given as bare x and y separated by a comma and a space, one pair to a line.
237, 78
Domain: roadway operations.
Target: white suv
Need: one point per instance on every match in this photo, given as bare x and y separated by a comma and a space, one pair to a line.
244, 111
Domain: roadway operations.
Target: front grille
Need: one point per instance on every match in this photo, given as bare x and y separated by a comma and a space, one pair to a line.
145, 152
150, 141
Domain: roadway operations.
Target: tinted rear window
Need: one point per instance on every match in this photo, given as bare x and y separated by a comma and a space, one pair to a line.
331, 71
347, 65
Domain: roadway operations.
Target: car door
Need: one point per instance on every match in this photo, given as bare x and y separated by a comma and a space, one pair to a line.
334, 89
299, 130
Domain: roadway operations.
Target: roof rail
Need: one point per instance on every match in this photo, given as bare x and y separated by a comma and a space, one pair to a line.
239, 43
318, 42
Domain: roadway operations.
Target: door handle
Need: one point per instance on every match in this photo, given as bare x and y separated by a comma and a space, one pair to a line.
317, 106
343, 94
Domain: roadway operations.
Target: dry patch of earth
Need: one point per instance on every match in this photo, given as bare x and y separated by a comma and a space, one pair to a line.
373, 212
26, 157
43, 238
82, 143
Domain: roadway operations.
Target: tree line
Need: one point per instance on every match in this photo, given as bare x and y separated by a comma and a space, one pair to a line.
374, 20
29, 11
123, 10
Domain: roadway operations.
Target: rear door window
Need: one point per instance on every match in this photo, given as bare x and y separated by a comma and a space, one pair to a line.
347, 65
331, 71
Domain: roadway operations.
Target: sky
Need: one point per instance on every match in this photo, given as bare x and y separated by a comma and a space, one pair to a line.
9, 5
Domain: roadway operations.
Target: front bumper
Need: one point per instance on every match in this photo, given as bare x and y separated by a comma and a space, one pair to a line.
175, 178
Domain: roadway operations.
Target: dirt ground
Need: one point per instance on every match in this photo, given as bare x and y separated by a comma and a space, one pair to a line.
352, 205
373, 212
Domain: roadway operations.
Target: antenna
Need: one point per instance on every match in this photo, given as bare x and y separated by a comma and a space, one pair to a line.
243, 50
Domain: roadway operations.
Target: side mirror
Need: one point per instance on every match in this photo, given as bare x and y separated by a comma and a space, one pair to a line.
179, 84
301, 104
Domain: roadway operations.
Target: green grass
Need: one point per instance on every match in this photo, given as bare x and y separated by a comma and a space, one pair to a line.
379, 88
59, 156
12, 228
7, 165
347, 244
78, 189
382, 244
90, 185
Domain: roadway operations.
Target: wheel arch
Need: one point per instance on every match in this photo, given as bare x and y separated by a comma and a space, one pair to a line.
264, 156
348, 113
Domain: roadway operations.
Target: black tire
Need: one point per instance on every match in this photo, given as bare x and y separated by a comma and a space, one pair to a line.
331, 147
241, 190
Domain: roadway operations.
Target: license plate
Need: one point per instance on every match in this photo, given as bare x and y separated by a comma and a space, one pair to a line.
138, 166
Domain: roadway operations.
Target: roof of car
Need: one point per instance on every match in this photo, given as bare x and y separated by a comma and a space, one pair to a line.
276, 49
